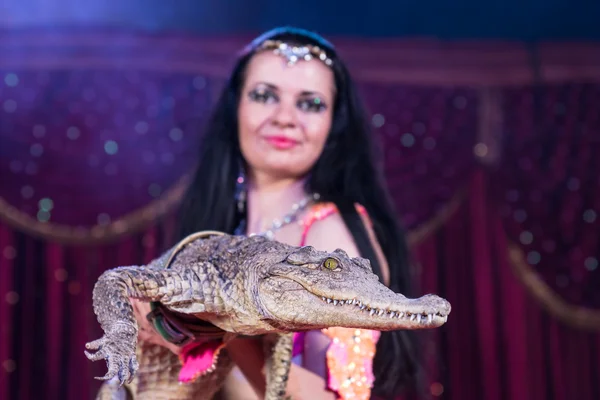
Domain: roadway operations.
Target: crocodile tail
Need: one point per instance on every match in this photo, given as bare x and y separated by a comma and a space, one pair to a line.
110, 390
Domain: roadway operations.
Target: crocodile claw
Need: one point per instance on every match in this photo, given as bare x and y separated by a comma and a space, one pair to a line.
118, 349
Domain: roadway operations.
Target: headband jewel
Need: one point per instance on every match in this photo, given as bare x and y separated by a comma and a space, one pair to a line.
294, 53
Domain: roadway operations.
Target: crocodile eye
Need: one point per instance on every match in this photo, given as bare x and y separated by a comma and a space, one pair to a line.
330, 263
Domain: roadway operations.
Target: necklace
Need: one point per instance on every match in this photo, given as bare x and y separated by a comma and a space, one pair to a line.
287, 219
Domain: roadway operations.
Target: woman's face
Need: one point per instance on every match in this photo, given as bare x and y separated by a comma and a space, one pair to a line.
284, 115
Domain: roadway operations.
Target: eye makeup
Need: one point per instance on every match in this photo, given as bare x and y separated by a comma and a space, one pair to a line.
307, 101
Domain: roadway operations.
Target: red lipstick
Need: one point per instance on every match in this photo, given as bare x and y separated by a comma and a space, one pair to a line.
281, 142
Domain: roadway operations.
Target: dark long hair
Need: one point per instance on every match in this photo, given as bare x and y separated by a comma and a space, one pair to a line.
345, 173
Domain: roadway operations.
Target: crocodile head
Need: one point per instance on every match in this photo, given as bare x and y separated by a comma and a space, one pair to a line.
310, 289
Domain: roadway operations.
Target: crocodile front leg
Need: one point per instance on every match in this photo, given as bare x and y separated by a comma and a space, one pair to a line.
115, 313
278, 367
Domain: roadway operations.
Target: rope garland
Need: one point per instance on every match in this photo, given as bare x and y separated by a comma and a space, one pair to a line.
96, 234
574, 316
139, 220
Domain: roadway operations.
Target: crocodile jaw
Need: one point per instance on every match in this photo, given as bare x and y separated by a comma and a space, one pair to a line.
291, 306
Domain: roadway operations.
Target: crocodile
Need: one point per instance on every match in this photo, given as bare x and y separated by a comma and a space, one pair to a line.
237, 286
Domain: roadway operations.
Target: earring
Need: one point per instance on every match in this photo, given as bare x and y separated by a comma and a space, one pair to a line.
240, 190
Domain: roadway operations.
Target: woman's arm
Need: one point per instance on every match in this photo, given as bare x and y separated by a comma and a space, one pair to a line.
247, 380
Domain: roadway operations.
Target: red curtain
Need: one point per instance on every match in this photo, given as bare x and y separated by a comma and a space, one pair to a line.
494, 173
499, 343
47, 317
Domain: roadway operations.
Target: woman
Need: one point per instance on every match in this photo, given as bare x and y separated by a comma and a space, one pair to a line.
288, 154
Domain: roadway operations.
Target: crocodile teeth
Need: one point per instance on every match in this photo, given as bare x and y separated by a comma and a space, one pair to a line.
339, 302
419, 318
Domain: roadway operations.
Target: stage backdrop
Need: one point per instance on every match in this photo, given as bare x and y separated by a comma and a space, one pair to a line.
490, 149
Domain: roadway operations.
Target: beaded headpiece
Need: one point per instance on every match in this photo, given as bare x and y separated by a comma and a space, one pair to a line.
293, 53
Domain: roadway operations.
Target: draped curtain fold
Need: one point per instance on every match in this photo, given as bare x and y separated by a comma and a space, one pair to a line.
491, 163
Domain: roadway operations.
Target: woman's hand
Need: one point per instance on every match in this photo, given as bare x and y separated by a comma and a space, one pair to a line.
146, 331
